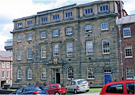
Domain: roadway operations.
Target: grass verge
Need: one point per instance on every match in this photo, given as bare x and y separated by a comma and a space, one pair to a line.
91, 90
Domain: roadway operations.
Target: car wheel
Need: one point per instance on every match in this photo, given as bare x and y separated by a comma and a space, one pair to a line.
57, 93
75, 91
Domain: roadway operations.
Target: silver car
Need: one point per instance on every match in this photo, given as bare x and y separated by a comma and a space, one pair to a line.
77, 85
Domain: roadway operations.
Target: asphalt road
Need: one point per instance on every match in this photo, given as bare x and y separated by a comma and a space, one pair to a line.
95, 93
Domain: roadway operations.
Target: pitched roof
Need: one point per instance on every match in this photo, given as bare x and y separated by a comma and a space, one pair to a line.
5, 53
126, 19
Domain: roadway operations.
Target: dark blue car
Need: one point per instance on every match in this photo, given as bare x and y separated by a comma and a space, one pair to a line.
30, 90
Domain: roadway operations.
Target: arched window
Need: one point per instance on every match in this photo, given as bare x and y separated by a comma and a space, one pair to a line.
90, 72
70, 73
29, 73
19, 74
43, 74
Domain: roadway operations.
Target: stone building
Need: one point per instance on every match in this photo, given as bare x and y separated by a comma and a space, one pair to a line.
126, 46
70, 42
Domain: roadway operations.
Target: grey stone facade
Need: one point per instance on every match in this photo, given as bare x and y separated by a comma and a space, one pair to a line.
79, 61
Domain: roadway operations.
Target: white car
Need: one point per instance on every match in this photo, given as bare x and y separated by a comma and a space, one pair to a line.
77, 85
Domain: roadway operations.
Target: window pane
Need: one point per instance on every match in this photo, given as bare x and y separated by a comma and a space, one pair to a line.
29, 53
70, 72
69, 49
129, 72
43, 35
56, 50
128, 51
69, 31
126, 32
105, 46
90, 71
55, 33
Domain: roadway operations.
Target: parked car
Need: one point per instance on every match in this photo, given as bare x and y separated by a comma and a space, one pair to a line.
119, 88
56, 88
30, 90
77, 85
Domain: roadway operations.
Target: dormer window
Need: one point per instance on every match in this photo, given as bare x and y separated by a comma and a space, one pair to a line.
88, 11
104, 8
69, 14
44, 19
55, 17
29, 23
88, 28
19, 25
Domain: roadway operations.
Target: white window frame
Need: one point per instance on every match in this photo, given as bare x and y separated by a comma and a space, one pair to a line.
105, 26
43, 73
128, 47
29, 23
69, 49
69, 31
43, 34
3, 74
29, 53
55, 33
19, 54
71, 71
7, 74
89, 47
90, 70
89, 11
102, 8
88, 28
44, 19
127, 30
19, 74
107, 48
20, 24
43, 50
3, 64
29, 73
131, 71
55, 50
7, 64
29, 37
68, 14
19, 39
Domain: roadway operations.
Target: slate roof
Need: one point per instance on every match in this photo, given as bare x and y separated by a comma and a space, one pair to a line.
126, 19
6, 53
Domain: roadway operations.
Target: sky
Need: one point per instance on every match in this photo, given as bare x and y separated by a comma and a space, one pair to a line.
13, 9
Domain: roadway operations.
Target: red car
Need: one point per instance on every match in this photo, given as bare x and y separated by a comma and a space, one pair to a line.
125, 87
56, 88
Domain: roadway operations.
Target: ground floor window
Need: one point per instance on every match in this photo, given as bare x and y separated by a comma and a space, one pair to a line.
129, 73
70, 73
90, 71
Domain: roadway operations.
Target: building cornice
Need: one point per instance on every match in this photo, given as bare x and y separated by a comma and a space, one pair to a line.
68, 21
60, 9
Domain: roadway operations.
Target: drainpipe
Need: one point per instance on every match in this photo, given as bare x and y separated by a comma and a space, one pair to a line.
119, 26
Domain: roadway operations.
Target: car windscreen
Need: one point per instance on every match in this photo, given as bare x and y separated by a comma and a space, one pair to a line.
82, 82
61, 85
38, 88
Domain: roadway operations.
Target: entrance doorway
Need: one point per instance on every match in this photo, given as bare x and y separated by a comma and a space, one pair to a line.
2, 83
107, 75
57, 76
